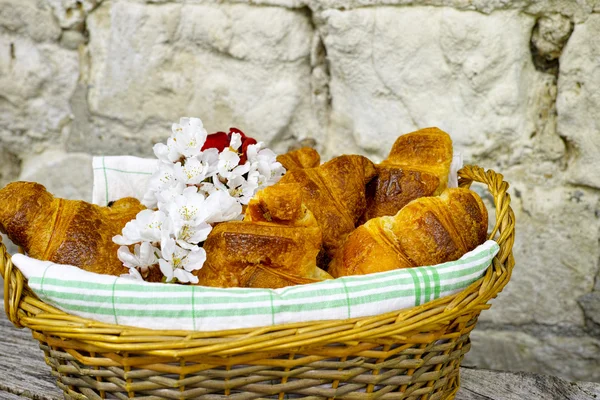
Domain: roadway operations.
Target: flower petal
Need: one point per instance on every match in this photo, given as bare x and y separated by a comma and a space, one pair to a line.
166, 269
195, 260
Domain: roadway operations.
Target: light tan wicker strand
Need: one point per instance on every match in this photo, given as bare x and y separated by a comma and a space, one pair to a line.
404, 355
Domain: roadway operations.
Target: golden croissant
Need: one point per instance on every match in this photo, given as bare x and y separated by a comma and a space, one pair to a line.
335, 193
276, 244
305, 157
418, 165
427, 231
65, 231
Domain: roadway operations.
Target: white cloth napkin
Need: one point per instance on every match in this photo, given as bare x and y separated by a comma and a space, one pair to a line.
116, 177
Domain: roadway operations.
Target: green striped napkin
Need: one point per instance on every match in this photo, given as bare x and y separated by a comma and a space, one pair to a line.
128, 302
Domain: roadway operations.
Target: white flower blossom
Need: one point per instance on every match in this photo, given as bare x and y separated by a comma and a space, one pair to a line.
192, 172
146, 226
244, 189
163, 178
142, 258
133, 274
264, 161
192, 190
189, 236
223, 207
168, 195
228, 160
189, 136
167, 153
143, 255
188, 208
177, 262
236, 141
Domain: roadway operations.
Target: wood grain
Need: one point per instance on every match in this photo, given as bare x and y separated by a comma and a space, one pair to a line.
495, 385
23, 371
24, 374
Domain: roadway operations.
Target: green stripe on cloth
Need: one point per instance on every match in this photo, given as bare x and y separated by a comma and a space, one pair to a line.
42, 280
125, 172
193, 308
427, 282
272, 309
436, 282
105, 180
417, 284
114, 302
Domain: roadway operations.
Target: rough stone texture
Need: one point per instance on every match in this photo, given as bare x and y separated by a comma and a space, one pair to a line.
590, 304
52, 166
213, 61
578, 102
579, 10
32, 18
10, 167
548, 39
575, 358
550, 253
516, 83
72, 13
394, 70
37, 77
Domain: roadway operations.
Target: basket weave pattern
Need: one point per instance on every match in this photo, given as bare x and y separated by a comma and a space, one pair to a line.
408, 354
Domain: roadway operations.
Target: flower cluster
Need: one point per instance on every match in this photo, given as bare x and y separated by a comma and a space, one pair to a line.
201, 180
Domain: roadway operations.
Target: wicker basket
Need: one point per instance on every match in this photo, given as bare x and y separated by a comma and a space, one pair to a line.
408, 354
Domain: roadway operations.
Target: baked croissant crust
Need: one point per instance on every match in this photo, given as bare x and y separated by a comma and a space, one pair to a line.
417, 166
65, 231
335, 193
276, 244
427, 231
306, 157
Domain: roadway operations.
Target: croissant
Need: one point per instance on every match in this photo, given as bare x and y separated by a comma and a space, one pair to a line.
306, 157
65, 231
335, 193
276, 244
427, 231
417, 166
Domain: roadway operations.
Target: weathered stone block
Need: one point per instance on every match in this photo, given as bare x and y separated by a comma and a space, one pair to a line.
32, 18
556, 252
10, 166
152, 64
71, 13
578, 10
578, 101
394, 70
66, 175
36, 81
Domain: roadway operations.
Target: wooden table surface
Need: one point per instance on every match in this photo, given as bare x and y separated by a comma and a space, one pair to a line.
25, 375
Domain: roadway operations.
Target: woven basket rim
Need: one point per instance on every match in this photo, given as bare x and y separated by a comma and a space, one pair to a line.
420, 324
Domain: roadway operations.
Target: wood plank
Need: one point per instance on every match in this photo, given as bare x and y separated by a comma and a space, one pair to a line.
495, 385
24, 374
23, 371
10, 396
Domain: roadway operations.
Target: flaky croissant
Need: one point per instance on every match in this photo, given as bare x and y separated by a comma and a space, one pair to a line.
417, 166
276, 244
65, 231
335, 193
427, 231
306, 157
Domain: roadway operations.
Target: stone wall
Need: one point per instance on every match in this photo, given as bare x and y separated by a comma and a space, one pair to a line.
516, 84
